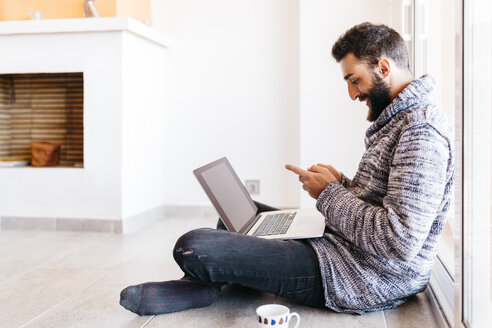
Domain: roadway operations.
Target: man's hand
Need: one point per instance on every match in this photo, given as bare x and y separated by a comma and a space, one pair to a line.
333, 171
315, 179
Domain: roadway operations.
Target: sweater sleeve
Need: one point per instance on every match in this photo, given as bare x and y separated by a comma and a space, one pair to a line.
346, 182
398, 227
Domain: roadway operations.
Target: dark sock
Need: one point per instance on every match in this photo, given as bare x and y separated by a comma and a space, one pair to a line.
167, 296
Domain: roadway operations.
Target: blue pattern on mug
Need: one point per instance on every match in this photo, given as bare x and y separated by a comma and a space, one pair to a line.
286, 318
273, 322
259, 319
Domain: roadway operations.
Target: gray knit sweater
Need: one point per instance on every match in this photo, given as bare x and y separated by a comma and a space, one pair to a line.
383, 227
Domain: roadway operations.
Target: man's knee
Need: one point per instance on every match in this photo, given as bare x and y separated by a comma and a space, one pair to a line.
189, 246
187, 242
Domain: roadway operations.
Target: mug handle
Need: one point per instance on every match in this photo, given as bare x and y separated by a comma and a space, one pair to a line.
294, 314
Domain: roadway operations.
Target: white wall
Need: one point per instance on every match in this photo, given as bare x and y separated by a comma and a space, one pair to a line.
143, 137
332, 125
233, 91
237, 71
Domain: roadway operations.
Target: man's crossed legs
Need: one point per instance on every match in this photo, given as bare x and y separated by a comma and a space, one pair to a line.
211, 258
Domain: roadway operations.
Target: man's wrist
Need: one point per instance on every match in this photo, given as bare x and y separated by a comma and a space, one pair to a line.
325, 190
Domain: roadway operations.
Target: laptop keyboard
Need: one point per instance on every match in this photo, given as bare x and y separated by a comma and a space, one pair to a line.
275, 224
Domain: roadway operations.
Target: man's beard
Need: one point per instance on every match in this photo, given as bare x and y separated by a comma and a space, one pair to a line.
379, 97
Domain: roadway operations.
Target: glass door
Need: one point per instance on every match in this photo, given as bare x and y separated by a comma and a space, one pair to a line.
437, 48
452, 41
475, 309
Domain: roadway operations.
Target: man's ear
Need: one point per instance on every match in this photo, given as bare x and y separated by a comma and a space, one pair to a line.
384, 67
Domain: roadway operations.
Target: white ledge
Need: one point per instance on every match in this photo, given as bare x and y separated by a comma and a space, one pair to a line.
82, 25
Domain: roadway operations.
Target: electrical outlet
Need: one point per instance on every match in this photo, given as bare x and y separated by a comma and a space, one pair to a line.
252, 186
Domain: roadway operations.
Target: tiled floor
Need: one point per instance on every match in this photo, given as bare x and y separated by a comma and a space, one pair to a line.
66, 279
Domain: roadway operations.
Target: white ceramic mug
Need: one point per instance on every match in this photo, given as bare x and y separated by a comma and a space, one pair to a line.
275, 315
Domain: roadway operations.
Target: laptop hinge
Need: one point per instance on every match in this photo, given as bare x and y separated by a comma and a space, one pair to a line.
250, 225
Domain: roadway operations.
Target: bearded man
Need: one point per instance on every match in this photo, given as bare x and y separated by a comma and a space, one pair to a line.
382, 227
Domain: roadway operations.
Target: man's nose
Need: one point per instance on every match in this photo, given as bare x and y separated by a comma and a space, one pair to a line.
353, 91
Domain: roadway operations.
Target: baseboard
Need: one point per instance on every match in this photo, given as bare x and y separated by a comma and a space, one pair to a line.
443, 289
143, 219
436, 308
127, 225
60, 224
189, 211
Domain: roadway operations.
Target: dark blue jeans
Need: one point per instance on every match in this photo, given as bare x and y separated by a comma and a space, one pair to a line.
288, 268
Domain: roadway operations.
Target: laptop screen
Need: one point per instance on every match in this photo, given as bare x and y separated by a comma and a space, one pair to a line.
228, 195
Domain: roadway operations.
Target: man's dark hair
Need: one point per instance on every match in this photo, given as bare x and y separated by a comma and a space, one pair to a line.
369, 42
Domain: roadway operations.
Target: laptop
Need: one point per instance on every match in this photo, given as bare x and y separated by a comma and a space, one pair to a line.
239, 213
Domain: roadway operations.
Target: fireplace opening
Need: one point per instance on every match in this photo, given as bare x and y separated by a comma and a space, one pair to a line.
46, 107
